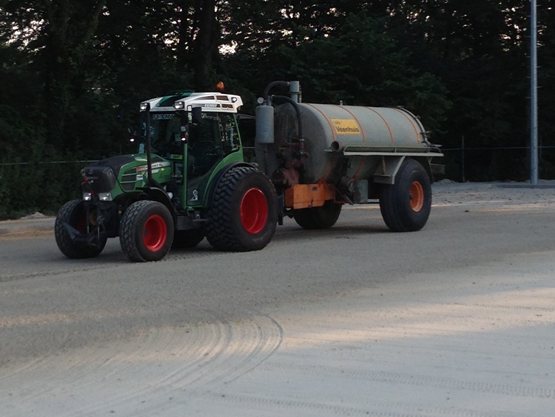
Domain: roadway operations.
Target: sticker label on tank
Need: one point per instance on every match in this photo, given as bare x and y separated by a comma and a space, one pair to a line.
346, 126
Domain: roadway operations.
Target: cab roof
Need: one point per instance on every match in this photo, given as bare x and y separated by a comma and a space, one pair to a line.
209, 102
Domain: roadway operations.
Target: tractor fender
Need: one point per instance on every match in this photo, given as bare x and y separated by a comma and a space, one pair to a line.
157, 194
218, 177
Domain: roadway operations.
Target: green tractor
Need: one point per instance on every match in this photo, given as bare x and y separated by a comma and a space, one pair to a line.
188, 181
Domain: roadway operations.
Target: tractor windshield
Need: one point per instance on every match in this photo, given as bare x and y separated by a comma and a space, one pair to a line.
165, 133
215, 134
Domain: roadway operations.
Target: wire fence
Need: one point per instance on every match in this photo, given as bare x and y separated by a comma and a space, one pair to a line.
497, 162
463, 163
88, 161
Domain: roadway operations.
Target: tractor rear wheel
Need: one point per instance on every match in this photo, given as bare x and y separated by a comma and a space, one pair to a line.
187, 238
146, 231
318, 217
74, 214
406, 205
243, 214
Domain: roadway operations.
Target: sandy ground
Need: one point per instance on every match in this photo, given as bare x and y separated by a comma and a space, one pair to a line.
465, 332
501, 195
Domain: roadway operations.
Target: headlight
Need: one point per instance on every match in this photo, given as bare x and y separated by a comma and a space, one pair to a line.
145, 106
104, 196
179, 105
87, 196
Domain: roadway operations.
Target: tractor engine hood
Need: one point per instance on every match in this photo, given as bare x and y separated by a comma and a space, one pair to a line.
125, 173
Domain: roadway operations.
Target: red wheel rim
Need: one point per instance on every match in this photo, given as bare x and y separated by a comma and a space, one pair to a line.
81, 224
155, 233
254, 211
416, 196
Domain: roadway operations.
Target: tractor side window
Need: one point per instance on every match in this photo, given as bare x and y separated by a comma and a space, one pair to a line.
209, 142
205, 146
229, 134
216, 129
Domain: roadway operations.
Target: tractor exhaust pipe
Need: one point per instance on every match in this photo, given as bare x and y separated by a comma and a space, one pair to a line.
145, 110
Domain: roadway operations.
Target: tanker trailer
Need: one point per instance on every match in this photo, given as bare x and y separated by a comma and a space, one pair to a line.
322, 156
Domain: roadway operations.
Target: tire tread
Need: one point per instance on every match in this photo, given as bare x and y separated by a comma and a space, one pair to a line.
219, 229
65, 244
127, 231
394, 206
131, 225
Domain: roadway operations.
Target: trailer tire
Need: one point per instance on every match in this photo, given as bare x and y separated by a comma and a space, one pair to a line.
406, 205
318, 217
73, 213
187, 238
243, 214
146, 231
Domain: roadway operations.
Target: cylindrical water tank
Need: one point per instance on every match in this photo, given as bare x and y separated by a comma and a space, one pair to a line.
264, 124
382, 128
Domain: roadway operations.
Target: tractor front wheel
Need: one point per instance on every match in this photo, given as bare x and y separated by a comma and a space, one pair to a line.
243, 213
74, 214
146, 231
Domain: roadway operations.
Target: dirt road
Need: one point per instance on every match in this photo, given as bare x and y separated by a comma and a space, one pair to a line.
455, 320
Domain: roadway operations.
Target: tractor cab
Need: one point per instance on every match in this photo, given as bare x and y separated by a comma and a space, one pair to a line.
195, 132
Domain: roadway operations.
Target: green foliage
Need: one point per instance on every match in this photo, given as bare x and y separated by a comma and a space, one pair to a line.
41, 182
479, 51
360, 65
73, 74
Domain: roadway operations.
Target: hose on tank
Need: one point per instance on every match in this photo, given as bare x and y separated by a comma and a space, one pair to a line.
297, 110
272, 85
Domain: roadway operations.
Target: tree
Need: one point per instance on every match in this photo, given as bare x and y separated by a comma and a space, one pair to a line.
73, 73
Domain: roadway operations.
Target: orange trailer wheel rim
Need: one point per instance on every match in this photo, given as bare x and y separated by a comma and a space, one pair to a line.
416, 196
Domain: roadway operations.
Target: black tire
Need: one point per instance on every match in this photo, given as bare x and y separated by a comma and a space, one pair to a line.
318, 217
406, 205
146, 231
187, 238
74, 213
243, 214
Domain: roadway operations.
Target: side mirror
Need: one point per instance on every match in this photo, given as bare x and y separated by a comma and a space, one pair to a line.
184, 128
132, 134
184, 135
196, 113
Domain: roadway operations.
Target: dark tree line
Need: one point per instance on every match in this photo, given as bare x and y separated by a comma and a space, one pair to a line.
73, 72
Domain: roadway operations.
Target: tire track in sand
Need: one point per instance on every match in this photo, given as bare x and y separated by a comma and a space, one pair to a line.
294, 407
136, 377
416, 380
